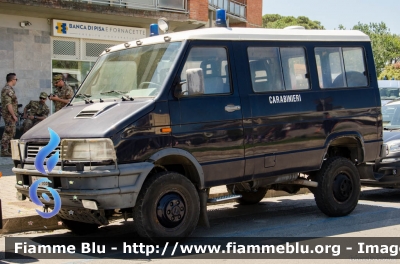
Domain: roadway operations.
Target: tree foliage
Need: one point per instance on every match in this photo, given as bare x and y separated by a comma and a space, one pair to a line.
391, 71
278, 21
385, 45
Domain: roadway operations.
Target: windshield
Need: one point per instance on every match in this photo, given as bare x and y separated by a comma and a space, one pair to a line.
136, 72
391, 115
389, 93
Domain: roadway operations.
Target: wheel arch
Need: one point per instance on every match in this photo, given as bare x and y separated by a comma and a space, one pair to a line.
345, 144
181, 161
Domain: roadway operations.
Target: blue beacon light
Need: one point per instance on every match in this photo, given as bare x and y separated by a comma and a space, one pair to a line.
153, 30
220, 18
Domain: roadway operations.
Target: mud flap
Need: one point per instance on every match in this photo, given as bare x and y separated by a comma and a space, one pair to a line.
366, 171
203, 196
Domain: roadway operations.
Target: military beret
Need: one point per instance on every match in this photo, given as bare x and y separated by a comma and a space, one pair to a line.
43, 95
57, 77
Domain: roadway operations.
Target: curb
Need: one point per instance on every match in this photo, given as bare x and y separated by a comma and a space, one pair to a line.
29, 223
37, 223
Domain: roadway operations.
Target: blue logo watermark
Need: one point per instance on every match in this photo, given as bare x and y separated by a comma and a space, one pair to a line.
39, 165
45, 151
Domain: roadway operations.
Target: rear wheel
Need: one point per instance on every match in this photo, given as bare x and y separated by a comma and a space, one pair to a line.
168, 207
338, 187
248, 197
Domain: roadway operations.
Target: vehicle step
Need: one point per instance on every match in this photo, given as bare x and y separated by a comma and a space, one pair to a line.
224, 198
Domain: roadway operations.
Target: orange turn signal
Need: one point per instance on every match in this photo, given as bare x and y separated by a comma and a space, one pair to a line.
166, 130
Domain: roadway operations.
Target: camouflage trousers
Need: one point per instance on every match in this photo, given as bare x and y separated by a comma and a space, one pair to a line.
28, 124
9, 133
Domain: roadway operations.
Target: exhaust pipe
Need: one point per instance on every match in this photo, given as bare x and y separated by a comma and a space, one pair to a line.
305, 183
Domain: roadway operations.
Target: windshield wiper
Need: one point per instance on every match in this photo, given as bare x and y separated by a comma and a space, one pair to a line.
86, 97
113, 92
391, 128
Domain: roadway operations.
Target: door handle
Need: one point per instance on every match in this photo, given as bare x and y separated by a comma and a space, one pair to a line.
231, 108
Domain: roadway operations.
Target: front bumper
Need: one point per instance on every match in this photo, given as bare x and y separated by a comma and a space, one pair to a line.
110, 187
388, 166
386, 174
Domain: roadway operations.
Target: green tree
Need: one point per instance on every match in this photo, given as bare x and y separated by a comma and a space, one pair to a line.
278, 21
385, 45
391, 71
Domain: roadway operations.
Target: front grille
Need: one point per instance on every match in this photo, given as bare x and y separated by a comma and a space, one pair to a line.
34, 147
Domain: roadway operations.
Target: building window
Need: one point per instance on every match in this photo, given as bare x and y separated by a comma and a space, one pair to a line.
74, 72
173, 4
74, 57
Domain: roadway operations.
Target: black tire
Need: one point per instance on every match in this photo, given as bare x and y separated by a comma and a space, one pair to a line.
248, 197
312, 189
80, 228
167, 208
338, 188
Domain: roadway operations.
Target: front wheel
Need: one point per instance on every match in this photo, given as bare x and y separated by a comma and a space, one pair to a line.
338, 187
168, 207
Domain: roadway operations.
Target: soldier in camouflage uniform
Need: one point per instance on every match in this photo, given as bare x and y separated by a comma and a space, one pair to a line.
9, 103
63, 94
38, 110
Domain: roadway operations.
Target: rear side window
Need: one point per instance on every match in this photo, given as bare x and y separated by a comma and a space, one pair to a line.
340, 67
277, 69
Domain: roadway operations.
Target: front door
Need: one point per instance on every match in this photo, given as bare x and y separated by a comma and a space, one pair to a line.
209, 125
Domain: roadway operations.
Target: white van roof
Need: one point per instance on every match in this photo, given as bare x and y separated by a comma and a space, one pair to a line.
256, 34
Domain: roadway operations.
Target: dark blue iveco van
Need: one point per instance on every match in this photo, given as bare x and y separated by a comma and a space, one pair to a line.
161, 120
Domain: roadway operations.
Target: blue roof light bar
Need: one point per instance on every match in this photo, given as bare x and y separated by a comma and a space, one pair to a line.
153, 30
220, 18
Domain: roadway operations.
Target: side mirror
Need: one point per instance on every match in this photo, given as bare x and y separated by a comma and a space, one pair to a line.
194, 84
195, 81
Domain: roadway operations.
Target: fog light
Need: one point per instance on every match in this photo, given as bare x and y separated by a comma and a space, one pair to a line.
89, 204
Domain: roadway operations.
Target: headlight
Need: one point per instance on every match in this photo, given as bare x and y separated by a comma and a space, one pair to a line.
393, 146
88, 150
15, 152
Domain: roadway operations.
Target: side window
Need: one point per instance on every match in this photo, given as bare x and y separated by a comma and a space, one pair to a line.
214, 64
277, 69
295, 68
265, 69
341, 67
354, 63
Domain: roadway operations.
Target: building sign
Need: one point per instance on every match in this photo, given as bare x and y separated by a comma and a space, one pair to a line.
73, 29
